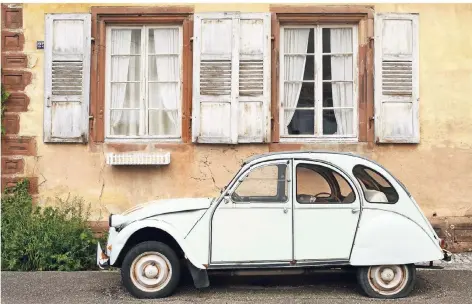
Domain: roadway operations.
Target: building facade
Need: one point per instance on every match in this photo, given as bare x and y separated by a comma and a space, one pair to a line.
183, 94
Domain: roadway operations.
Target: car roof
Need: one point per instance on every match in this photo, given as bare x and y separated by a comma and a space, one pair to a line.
301, 154
296, 154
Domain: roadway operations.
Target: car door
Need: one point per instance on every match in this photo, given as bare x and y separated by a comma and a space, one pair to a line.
326, 212
254, 223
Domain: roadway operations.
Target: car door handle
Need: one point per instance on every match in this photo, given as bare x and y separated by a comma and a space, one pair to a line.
285, 210
355, 210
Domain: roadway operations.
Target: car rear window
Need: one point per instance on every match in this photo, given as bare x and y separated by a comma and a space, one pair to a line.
377, 189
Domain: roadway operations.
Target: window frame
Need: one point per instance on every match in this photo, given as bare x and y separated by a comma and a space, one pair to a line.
318, 86
144, 84
341, 174
243, 176
360, 15
102, 17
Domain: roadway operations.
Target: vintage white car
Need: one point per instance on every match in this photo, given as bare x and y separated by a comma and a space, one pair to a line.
291, 211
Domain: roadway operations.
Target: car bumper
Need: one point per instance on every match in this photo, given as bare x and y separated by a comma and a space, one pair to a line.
103, 260
447, 255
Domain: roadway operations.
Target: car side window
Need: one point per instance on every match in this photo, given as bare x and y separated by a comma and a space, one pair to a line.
265, 184
376, 188
321, 185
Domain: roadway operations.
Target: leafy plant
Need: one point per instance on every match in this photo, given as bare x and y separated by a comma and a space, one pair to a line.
5, 96
50, 238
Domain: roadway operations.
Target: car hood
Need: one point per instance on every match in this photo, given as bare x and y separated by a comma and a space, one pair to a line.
158, 207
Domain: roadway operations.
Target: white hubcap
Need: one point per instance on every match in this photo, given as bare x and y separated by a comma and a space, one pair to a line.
388, 280
387, 275
151, 271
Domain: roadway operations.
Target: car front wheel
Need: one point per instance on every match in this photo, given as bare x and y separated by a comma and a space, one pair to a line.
387, 281
151, 270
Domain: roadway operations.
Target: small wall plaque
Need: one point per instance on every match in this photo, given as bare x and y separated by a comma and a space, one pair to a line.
39, 45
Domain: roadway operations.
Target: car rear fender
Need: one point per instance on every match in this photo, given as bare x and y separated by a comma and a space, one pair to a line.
386, 237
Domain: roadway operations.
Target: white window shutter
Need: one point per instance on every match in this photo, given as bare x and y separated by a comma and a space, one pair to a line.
396, 78
231, 85
254, 78
67, 77
214, 79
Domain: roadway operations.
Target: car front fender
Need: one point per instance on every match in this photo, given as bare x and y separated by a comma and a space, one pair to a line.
121, 238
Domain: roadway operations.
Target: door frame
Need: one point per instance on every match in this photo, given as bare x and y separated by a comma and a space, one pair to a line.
358, 196
228, 190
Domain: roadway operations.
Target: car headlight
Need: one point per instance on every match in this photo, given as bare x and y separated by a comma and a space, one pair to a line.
115, 220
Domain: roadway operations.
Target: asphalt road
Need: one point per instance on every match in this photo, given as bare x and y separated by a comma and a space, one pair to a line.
433, 286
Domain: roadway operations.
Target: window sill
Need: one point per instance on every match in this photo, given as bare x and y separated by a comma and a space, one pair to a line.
319, 140
153, 140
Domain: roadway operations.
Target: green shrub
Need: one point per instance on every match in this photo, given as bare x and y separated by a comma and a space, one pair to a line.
35, 238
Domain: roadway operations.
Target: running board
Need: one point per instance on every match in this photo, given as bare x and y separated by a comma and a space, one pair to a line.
278, 265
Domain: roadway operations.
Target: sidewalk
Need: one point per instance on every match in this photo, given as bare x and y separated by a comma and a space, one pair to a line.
459, 261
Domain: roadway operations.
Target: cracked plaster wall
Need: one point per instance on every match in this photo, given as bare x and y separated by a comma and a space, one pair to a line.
437, 171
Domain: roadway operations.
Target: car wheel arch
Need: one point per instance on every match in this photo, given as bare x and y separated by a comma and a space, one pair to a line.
149, 234
150, 230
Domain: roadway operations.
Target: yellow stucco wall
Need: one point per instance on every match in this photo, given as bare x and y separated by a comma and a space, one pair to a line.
437, 171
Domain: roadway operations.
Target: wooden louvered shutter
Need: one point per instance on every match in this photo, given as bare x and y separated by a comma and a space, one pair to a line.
396, 78
214, 79
231, 96
67, 77
254, 78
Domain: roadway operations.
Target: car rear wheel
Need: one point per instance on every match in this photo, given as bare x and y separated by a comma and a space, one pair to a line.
151, 270
387, 281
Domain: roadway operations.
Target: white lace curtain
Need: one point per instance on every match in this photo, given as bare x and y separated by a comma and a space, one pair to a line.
123, 95
295, 41
341, 69
164, 94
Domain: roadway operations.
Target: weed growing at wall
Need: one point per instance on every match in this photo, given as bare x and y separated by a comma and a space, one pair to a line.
5, 96
35, 238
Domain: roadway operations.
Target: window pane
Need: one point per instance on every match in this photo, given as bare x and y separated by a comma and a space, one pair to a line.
163, 68
338, 94
163, 122
378, 178
125, 41
337, 67
163, 96
338, 122
299, 122
163, 41
124, 122
304, 91
337, 40
125, 68
310, 183
345, 189
318, 184
376, 189
263, 184
296, 40
309, 72
125, 95
299, 67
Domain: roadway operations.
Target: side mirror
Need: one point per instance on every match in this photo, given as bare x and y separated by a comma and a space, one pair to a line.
227, 198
